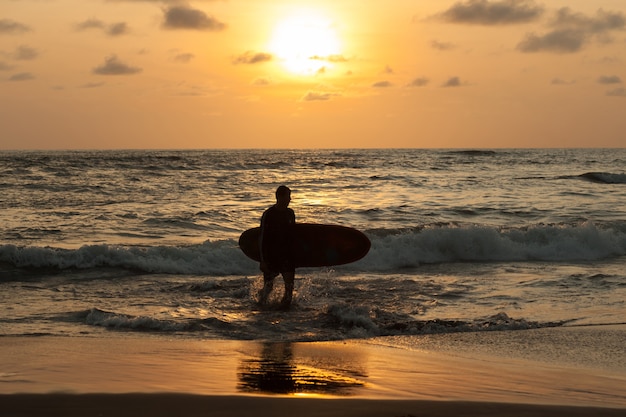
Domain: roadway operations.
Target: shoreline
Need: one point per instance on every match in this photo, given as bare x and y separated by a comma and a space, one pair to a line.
157, 405
484, 373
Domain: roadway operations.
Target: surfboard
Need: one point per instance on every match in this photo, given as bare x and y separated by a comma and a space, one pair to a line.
315, 244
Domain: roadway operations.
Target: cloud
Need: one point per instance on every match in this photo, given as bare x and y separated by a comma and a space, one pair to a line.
329, 58
5, 67
489, 13
419, 82
610, 60
193, 91
154, 1
382, 84
22, 76
560, 41
442, 46
12, 27
560, 81
184, 17
114, 29
91, 23
113, 66
570, 32
618, 92
452, 82
319, 96
262, 82
117, 29
24, 53
92, 85
609, 79
184, 57
600, 23
250, 58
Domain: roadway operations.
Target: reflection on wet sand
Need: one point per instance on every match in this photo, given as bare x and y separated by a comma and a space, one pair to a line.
287, 368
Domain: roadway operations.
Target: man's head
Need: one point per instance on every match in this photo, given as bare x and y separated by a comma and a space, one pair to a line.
283, 196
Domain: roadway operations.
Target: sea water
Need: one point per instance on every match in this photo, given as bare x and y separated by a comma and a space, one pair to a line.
462, 241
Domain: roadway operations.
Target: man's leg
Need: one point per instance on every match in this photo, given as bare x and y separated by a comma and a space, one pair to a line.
289, 277
268, 285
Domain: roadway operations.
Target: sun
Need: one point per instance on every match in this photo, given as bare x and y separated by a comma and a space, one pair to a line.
305, 42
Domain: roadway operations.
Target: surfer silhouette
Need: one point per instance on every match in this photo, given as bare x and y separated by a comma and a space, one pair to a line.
275, 244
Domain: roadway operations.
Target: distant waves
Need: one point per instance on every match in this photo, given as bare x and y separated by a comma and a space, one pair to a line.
604, 177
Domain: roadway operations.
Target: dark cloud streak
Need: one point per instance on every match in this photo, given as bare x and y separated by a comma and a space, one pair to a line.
251, 58
113, 66
618, 92
184, 57
24, 53
22, 76
442, 46
319, 96
571, 32
602, 22
91, 23
155, 1
5, 67
560, 41
329, 58
185, 17
113, 29
452, 82
489, 13
419, 82
12, 27
609, 79
117, 29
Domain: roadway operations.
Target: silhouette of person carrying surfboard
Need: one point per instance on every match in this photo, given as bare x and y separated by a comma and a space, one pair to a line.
276, 247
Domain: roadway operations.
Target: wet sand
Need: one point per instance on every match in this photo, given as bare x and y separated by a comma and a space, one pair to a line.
482, 374
157, 405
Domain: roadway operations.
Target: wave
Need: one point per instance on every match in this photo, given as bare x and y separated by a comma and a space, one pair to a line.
336, 322
210, 258
391, 250
604, 177
473, 152
443, 244
359, 322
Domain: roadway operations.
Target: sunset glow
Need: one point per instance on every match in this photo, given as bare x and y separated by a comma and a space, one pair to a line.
305, 42
324, 74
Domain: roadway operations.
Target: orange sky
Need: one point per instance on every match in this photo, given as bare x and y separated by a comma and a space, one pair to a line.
101, 74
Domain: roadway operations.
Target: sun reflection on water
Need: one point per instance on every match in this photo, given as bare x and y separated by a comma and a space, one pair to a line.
282, 368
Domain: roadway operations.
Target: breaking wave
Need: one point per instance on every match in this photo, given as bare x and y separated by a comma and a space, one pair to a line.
391, 250
338, 321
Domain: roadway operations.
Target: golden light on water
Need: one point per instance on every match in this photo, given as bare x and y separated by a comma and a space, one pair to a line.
300, 370
305, 42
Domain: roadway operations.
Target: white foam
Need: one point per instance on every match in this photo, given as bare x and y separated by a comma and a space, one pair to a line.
210, 258
390, 252
96, 317
482, 244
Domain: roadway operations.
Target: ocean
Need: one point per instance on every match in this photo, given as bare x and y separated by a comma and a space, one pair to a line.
145, 242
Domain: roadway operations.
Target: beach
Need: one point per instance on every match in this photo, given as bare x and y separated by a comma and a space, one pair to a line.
484, 374
494, 284
185, 405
